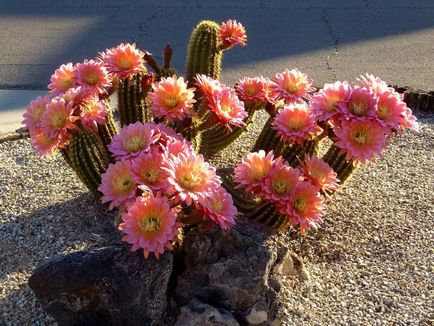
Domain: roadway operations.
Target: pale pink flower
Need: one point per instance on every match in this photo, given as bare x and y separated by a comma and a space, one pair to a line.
360, 139
319, 173
33, 115
291, 86
176, 147
254, 90
190, 177
171, 98
360, 104
253, 169
374, 84
124, 60
62, 79
231, 33
325, 102
147, 168
93, 112
92, 76
219, 207
295, 123
57, 118
391, 111
281, 182
150, 223
207, 86
43, 143
306, 206
132, 140
117, 184
410, 120
228, 109
168, 131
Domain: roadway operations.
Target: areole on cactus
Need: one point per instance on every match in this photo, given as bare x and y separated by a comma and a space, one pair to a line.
154, 168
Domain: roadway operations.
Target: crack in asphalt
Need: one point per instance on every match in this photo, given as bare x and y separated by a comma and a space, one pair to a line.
335, 41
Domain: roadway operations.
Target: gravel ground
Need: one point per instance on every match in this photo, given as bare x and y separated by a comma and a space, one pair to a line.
369, 264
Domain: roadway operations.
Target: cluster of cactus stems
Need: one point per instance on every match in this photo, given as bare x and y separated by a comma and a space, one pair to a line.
344, 168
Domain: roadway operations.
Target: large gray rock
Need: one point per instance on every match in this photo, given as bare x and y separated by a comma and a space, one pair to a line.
109, 286
238, 271
197, 313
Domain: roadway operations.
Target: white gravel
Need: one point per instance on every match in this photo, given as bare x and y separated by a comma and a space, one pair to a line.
371, 263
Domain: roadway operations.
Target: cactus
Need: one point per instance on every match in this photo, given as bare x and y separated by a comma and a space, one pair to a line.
132, 103
88, 157
339, 164
109, 129
204, 52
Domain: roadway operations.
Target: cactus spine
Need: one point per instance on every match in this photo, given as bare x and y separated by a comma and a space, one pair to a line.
339, 164
204, 53
132, 105
109, 129
88, 157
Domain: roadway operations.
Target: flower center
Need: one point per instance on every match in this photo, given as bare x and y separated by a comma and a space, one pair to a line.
152, 176
189, 181
382, 112
150, 223
280, 187
300, 205
360, 137
66, 83
135, 144
91, 78
359, 109
124, 63
123, 185
171, 101
251, 90
216, 205
59, 121
294, 124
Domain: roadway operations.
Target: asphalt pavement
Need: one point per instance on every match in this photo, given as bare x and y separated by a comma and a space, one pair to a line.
329, 39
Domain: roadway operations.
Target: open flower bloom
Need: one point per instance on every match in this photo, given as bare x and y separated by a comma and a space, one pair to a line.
231, 33
118, 184
391, 111
360, 140
175, 147
93, 112
189, 177
374, 84
253, 90
361, 103
410, 120
33, 115
253, 169
207, 85
62, 79
171, 98
306, 206
295, 123
319, 173
57, 118
150, 223
123, 60
219, 207
147, 170
325, 102
228, 109
291, 86
92, 76
43, 142
280, 182
132, 140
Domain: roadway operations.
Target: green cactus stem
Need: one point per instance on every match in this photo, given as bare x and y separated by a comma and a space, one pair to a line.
295, 152
107, 130
88, 157
339, 164
204, 53
132, 104
268, 139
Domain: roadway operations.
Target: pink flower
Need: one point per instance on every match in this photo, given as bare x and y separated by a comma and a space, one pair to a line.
175, 147
391, 111
360, 140
207, 85
291, 86
132, 140
92, 76
124, 60
150, 223
374, 84
360, 104
219, 207
228, 109
168, 131
325, 102
57, 118
306, 206
33, 115
231, 33
190, 177
171, 98
117, 184
295, 123
253, 90
252, 170
319, 173
147, 168
281, 182
93, 112
43, 143
62, 79
410, 120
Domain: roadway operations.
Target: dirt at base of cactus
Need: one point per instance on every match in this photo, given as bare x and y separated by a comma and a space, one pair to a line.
368, 264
